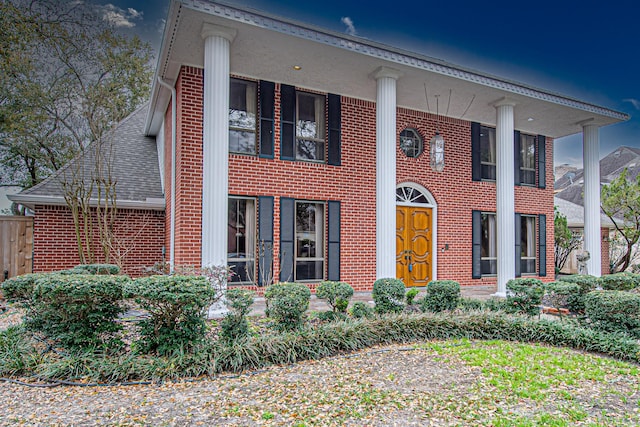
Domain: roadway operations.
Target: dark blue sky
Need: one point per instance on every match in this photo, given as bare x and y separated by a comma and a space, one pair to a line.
587, 50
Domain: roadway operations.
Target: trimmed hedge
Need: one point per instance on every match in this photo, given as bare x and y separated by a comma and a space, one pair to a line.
524, 295
337, 295
564, 295
614, 311
177, 307
19, 289
360, 310
586, 283
388, 294
620, 281
77, 311
441, 295
286, 304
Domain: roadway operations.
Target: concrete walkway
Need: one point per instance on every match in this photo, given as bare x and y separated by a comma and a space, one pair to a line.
477, 292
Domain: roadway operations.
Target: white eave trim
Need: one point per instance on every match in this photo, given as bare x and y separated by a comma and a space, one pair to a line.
152, 204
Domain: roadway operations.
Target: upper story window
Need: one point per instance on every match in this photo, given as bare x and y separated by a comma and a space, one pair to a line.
488, 153
242, 116
411, 142
527, 159
310, 127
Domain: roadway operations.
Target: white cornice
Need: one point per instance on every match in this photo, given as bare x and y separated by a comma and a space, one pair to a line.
387, 53
32, 200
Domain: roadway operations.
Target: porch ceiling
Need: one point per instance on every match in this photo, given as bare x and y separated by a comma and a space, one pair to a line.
268, 47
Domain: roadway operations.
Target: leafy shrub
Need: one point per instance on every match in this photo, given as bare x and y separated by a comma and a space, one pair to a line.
235, 324
411, 295
337, 295
564, 295
19, 289
586, 282
524, 295
441, 295
78, 311
471, 304
361, 309
286, 304
619, 282
331, 316
177, 308
102, 269
614, 311
388, 294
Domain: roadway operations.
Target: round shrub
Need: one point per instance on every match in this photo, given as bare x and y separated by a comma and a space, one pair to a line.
77, 311
360, 310
620, 281
586, 282
441, 295
235, 324
614, 311
337, 295
388, 294
177, 308
524, 295
286, 304
564, 295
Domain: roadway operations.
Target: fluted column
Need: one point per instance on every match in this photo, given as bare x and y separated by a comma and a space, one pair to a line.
505, 212
385, 171
215, 144
591, 151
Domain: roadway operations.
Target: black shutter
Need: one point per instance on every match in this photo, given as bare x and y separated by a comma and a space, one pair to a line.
333, 250
518, 242
542, 161
287, 124
265, 239
287, 236
267, 104
335, 120
516, 157
476, 244
476, 153
542, 245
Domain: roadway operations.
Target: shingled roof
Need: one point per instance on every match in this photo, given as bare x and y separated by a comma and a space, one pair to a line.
134, 167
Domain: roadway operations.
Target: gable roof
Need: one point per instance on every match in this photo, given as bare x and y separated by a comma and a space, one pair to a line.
134, 168
575, 214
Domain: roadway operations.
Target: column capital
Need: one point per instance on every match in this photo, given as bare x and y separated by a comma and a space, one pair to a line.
503, 101
381, 72
212, 30
588, 122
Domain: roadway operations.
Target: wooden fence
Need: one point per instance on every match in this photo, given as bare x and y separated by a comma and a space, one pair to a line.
16, 245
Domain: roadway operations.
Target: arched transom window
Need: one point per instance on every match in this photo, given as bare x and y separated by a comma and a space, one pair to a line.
408, 194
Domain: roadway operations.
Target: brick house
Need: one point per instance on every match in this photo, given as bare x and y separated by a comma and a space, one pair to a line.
291, 152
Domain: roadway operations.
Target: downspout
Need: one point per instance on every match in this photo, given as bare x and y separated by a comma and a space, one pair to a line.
172, 225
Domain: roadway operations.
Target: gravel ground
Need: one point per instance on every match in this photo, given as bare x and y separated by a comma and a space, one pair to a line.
398, 385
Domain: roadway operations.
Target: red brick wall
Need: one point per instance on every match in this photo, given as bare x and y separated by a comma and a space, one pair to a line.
139, 239
353, 184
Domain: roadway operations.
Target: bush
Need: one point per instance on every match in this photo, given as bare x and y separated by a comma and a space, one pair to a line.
235, 325
388, 294
101, 269
77, 311
524, 295
177, 308
337, 295
587, 283
360, 310
411, 295
614, 311
619, 282
441, 295
286, 304
19, 289
564, 295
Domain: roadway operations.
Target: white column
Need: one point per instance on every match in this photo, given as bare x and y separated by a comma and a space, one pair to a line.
385, 171
505, 211
591, 154
215, 144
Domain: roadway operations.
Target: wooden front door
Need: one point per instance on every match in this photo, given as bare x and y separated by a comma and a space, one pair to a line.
413, 245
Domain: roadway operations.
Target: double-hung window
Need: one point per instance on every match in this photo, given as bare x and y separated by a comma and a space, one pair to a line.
528, 244
488, 153
488, 251
527, 159
309, 241
310, 127
242, 116
241, 243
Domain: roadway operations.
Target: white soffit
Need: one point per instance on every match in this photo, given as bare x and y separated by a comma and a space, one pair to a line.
268, 47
